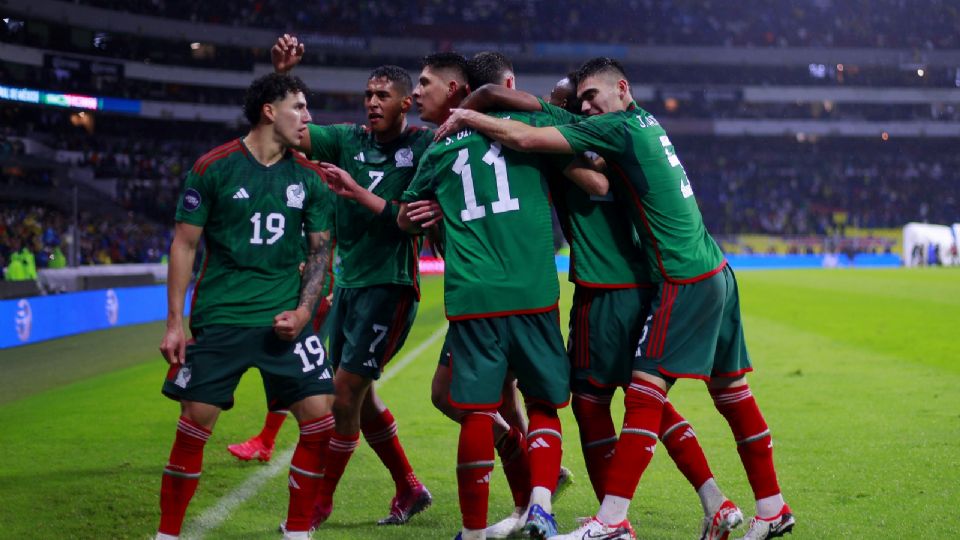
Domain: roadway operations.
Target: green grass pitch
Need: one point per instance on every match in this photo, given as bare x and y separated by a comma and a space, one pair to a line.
857, 374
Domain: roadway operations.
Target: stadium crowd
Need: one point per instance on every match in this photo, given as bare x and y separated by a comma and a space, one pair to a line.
824, 23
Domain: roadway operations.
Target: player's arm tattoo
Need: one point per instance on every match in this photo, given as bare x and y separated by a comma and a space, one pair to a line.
314, 272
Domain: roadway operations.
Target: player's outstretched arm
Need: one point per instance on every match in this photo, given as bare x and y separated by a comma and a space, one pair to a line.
343, 184
183, 251
513, 134
496, 97
289, 324
414, 217
286, 53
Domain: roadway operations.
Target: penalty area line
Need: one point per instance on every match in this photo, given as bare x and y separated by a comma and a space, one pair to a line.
213, 517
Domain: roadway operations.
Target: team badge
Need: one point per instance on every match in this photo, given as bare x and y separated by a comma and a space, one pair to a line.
404, 157
191, 200
295, 196
183, 377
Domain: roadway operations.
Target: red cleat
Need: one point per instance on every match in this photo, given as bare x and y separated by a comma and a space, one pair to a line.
406, 505
251, 449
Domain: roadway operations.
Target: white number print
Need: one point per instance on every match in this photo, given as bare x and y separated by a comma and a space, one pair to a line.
313, 346
375, 178
381, 332
274, 225
504, 202
685, 188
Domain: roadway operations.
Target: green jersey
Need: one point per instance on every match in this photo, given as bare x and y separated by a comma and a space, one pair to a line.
499, 242
371, 250
604, 247
253, 220
643, 160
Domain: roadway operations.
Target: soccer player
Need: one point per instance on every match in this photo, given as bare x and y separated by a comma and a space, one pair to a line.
377, 291
260, 446
252, 199
501, 294
694, 330
612, 295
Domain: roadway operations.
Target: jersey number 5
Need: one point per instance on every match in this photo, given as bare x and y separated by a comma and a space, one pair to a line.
685, 188
504, 202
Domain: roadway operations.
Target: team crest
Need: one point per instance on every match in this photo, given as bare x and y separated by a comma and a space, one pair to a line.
183, 377
404, 157
295, 195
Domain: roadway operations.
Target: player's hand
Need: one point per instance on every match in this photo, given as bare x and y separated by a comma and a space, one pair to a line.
340, 181
289, 324
174, 345
424, 214
456, 122
286, 53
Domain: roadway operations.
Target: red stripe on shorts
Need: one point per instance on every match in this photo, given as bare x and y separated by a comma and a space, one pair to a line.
396, 329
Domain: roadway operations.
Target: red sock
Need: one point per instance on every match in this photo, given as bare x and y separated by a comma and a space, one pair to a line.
306, 470
381, 435
638, 438
338, 454
271, 426
181, 475
598, 436
682, 445
516, 465
754, 443
474, 465
544, 446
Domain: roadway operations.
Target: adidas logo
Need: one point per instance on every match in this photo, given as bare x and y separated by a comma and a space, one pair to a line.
485, 479
539, 443
371, 363
650, 448
688, 434
359, 157
293, 483
325, 375
241, 194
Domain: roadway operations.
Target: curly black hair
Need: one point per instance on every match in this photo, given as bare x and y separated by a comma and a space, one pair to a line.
268, 89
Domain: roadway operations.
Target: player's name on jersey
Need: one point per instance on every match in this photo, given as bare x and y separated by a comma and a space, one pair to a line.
458, 136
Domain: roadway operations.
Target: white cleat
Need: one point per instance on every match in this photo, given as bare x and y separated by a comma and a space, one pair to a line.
724, 520
775, 527
509, 527
594, 529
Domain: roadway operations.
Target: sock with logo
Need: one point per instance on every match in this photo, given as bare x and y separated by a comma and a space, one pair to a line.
681, 443
638, 438
544, 448
474, 465
306, 471
339, 450
181, 475
754, 443
598, 436
381, 434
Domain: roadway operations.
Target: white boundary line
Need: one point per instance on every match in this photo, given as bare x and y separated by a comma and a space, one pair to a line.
214, 516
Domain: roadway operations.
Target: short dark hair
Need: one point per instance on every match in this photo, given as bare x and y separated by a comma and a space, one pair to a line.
267, 89
395, 74
601, 64
447, 60
572, 104
487, 68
